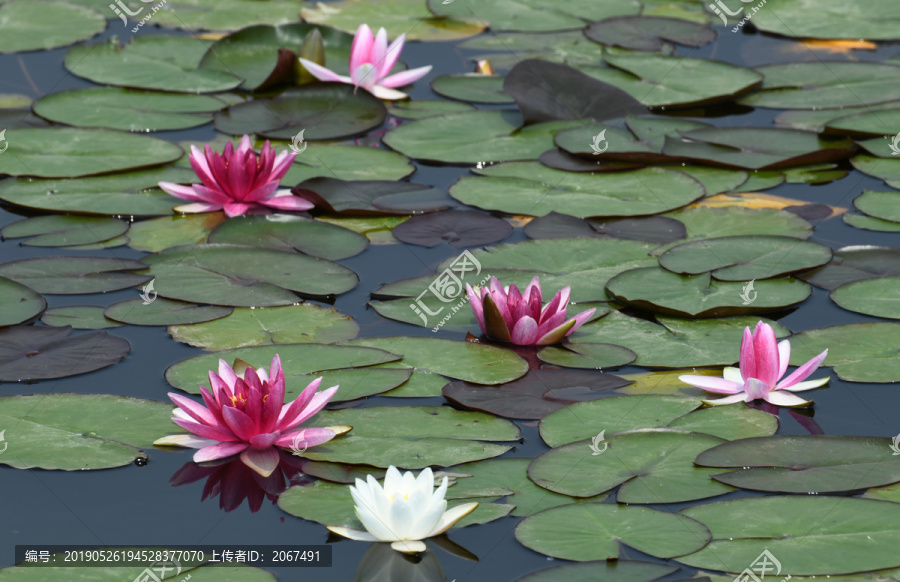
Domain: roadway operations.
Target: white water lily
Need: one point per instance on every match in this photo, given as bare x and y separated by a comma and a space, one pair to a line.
404, 512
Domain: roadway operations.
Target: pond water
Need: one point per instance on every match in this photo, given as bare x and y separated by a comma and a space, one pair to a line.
139, 505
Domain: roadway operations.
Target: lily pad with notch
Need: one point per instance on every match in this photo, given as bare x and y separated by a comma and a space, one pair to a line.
649, 33
43, 353
858, 352
162, 311
79, 317
346, 162
855, 263
60, 231
881, 205
592, 356
642, 143
18, 302
29, 26
877, 297
459, 228
75, 274
472, 87
371, 197
831, 19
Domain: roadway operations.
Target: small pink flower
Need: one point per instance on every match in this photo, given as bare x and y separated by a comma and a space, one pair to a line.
248, 416
762, 365
510, 316
237, 181
371, 59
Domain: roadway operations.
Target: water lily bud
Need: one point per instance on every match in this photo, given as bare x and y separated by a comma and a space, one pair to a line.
313, 50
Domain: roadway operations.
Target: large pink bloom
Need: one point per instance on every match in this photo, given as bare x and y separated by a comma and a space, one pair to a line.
511, 316
762, 365
237, 181
248, 416
371, 59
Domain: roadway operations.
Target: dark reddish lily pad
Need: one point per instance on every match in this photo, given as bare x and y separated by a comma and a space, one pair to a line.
535, 395
855, 264
648, 33
372, 197
460, 228
556, 225
40, 353
546, 91
655, 229
561, 160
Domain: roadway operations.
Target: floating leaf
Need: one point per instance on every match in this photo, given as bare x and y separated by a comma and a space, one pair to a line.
878, 297
78, 317
158, 234
858, 352
347, 163
404, 452
223, 14
159, 62
68, 152
127, 109
537, 15
527, 397
460, 228
828, 19
855, 263
745, 258
41, 353
642, 143
60, 231
655, 229
868, 123
18, 302
556, 225
472, 87
163, 312
324, 111
851, 535
73, 275
825, 85
659, 290
729, 422
648, 33
593, 531
887, 170
587, 355
532, 188
571, 48
879, 204
601, 571
29, 26
422, 108
291, 324
243, 276
371, 197
288, 232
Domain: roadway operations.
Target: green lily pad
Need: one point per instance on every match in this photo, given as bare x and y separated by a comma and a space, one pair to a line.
643, 143
828, 19
290, 324
868, 223
677, 343
422, 108
887, 170
74, 275
652, 465
879, 204
409, 17
158, 234
659, 290
223, 14
855, 263
729, 422
371, 197
359, 383
68, 152
825, 85
287, 232
660, 81
745, 258
127, 109
60, 231
887, 493
163, 311
347, 163
473, 137
421, 384
601, 571
870, 123
79, 317
158, 62
479, 363
19, 302
667, 382
816, 120
532, 188
537, 15
757, 148
80, 431
858, 352
41, 353
587, 355
851, 535
882, 146
714, 180
458, 228
29, 26
324, 111
243, 276
583, 420
593, 531
648, 33
252, 53
803, 464
404, 452
571, 48
878, 297
472, 87
128, 194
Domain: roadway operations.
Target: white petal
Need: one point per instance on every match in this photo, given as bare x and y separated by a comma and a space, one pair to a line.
740, 397
807, 385
451, 516
409, 547
352, 534
184, 440
783, 398
733, 375
375, 525
387, 93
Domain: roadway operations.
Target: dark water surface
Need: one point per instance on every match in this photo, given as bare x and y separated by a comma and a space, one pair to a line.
137, 505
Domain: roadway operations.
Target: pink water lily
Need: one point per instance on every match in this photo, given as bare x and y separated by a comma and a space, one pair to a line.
371, 59
237, 181
762, 364
249, 416
507, 315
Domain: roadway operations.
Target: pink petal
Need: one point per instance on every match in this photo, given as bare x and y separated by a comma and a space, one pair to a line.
365, 75
712, 384
581, 318
295, 408
393, 53
200, 166
739, 397
239, 423
784, 398
803, 372
310, 437
233, 209
784, 356
477, 307
197, 207
196, 411
281, 165
264, 441
211, 194
315, 405
222, 434
323, 74
226, 373
765, 347
525, 332
288, 202
183, 192
245, 146
748, 356
386, 93
361, 47
263, 461
404, 78
555, 335
261, 192
756, 388
219, 451
379, 52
